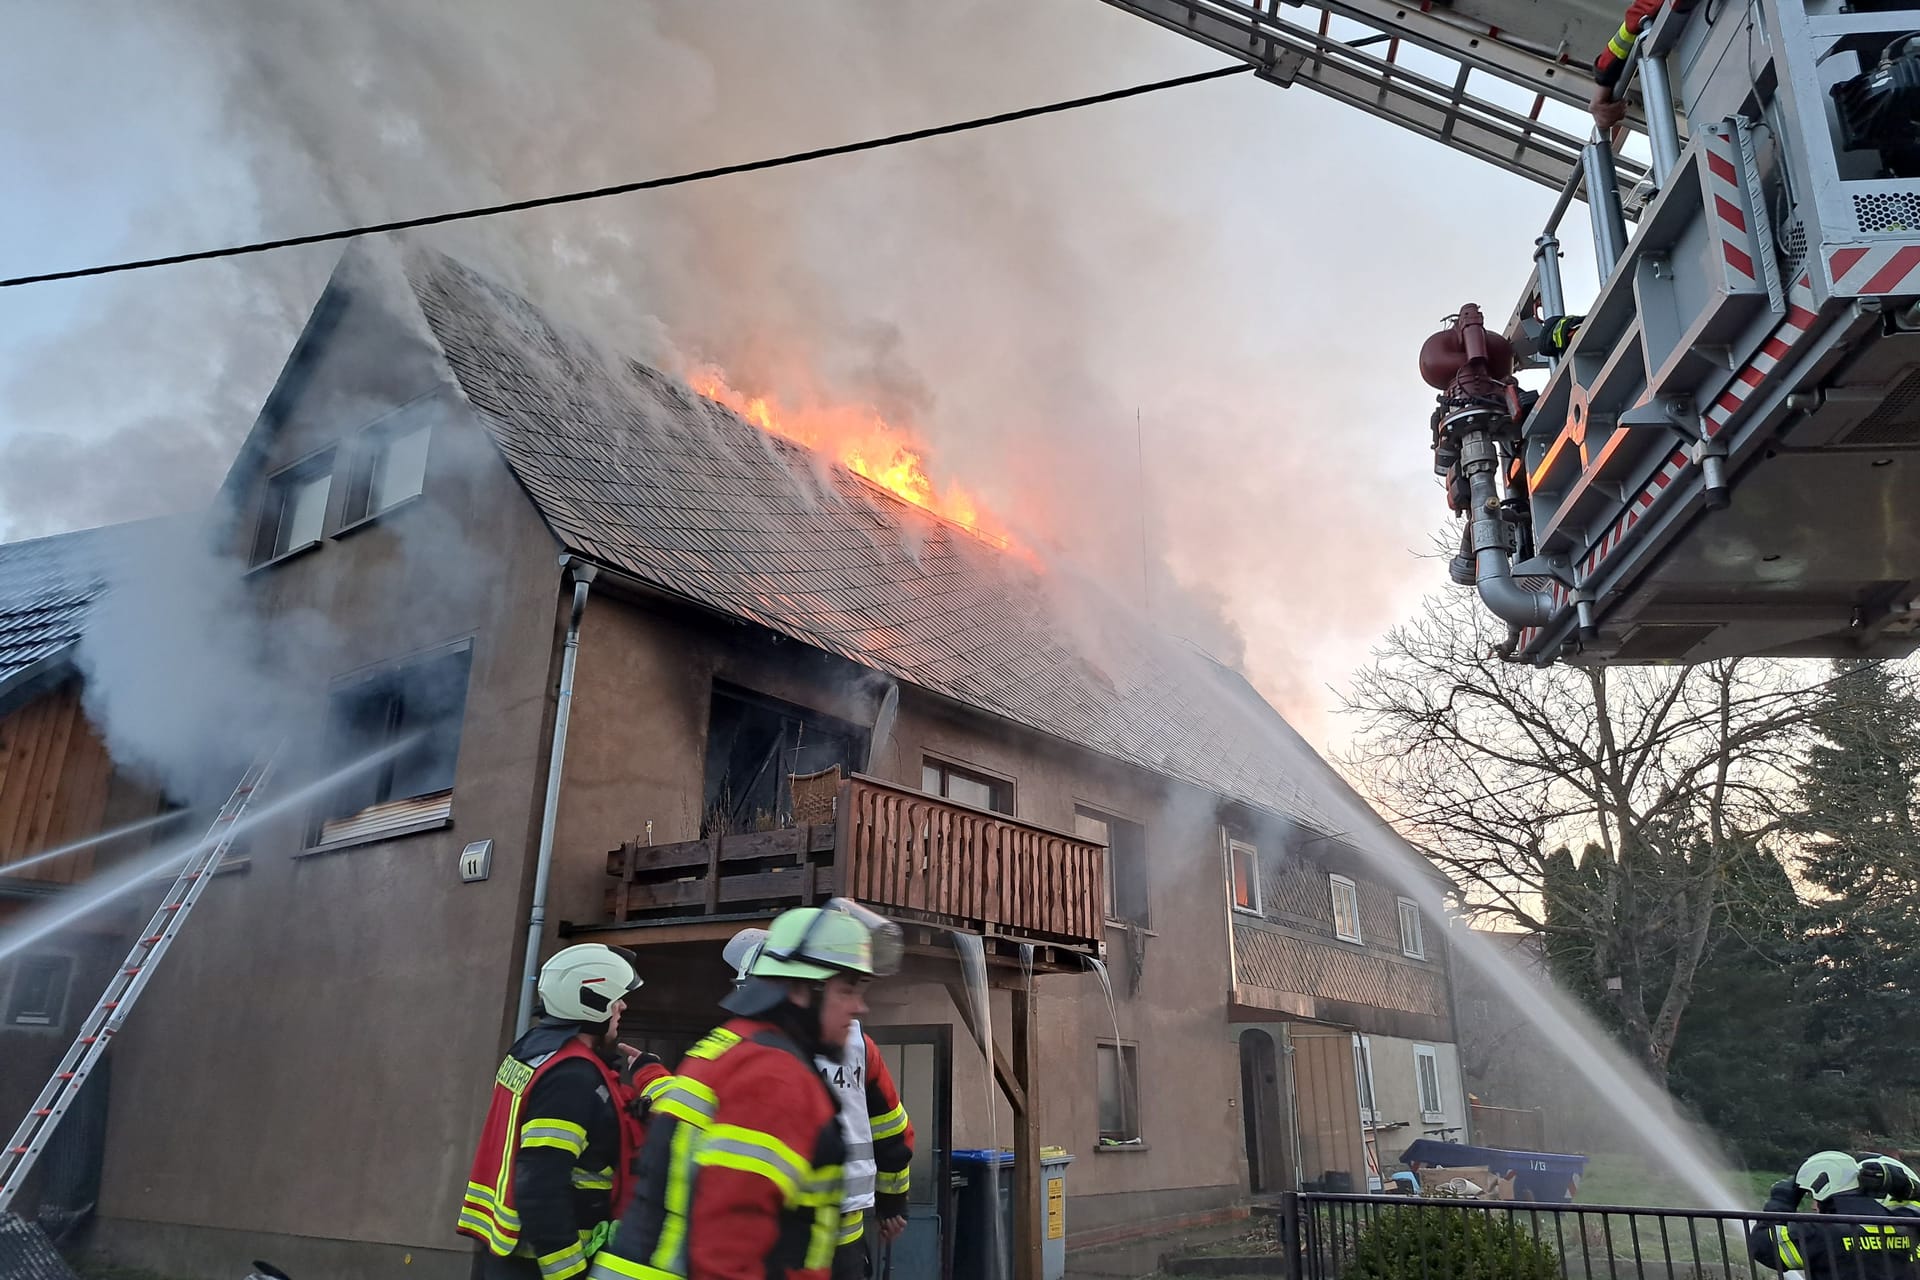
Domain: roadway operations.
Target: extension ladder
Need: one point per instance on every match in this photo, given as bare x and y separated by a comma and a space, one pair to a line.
116, 1002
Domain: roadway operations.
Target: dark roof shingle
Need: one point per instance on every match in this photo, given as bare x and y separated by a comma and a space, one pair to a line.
632, 469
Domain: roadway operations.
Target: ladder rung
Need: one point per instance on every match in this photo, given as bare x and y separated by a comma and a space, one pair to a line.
128, 973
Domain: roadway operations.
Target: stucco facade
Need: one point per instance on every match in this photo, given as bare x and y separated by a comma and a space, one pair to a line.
304, 1080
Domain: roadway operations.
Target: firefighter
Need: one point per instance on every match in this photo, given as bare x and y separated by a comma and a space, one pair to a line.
1890, 1182
1842, 1251
741, 1177
556, 1156
1607, 112
874, 1124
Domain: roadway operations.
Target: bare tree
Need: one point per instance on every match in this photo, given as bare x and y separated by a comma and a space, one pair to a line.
1663, 778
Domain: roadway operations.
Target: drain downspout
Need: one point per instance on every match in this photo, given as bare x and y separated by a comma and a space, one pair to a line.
582, 574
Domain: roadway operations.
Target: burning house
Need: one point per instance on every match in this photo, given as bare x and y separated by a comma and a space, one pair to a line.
789, 682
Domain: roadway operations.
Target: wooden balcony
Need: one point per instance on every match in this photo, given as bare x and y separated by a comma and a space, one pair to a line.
919, 859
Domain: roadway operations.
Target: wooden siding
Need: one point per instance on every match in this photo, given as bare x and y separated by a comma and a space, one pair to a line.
1280, 961
55, 776
1327, 1109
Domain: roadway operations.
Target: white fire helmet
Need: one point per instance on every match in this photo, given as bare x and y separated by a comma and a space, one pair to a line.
741, 951
581, 983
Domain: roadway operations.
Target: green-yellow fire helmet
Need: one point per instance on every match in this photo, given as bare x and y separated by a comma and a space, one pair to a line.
815, 943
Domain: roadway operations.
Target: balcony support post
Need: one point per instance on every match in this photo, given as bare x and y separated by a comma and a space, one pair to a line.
1029, 1238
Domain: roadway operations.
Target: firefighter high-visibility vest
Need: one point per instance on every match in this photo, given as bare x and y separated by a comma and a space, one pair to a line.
847, 1077
488, 1213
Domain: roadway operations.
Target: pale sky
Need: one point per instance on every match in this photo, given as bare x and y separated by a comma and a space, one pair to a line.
1251, 270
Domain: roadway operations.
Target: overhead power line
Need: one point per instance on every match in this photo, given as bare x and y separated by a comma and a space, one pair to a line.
627, 188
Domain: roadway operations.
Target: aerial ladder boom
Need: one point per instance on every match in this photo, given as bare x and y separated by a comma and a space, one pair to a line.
1476, 75
1724, 456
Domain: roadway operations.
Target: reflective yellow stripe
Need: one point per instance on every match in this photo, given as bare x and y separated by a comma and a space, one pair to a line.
715, 1043
585, 1181
891, 1124
751, 1151
893, 1184
563, 1134
670, 1252
687, 1100
607, 1266
1789, 1251
480, 1224
653, 1089
821, 1241
852, 1227
562, 1263
482, 1197
1622, 43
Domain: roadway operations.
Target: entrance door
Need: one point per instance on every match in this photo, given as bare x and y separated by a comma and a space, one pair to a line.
921, 1062
1262, 1115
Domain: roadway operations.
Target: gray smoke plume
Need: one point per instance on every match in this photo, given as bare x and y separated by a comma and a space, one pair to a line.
1015, 295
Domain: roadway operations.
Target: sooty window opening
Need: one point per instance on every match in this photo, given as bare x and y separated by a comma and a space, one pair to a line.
415, 708
756, 747
1126, 861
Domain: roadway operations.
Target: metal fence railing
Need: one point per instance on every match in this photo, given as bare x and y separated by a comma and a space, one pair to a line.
1351, 1237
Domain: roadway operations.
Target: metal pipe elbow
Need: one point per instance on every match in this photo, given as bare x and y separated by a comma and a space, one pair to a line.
1506, 598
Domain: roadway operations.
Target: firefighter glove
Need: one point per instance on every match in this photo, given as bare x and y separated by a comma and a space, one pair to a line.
1784, 1196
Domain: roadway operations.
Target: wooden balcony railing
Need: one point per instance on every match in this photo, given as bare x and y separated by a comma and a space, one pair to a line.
913, 856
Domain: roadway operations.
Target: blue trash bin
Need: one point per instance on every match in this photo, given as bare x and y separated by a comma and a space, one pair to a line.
975, 1223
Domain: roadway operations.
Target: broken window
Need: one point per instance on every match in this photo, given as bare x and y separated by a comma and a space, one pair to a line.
390, 465
39, 994
1346, 909
755, 746
964, 786
295, 514
1119, 1094
409, 716
1126, 861
1244, 865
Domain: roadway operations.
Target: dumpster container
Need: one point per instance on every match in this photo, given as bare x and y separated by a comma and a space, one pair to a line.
1544, 1177
976, 1233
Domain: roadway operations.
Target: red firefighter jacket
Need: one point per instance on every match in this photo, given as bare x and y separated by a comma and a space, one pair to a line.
554, 1165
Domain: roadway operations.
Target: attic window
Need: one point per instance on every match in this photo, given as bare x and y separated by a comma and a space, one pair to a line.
421, 704
295, 513
390, 466
951, 782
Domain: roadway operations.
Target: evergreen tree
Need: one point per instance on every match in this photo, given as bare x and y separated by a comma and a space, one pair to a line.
1860, 860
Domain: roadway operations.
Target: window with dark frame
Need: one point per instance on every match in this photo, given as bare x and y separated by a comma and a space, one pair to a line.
951, 782
421, 703
755, 744
1119, 1084
1126, 861
295, 512
39, 994
1243, 862
390, 466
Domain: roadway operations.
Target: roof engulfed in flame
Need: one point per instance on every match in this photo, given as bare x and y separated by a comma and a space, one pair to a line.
861, 440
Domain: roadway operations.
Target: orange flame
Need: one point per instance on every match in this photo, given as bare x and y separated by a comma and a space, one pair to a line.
863, 442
